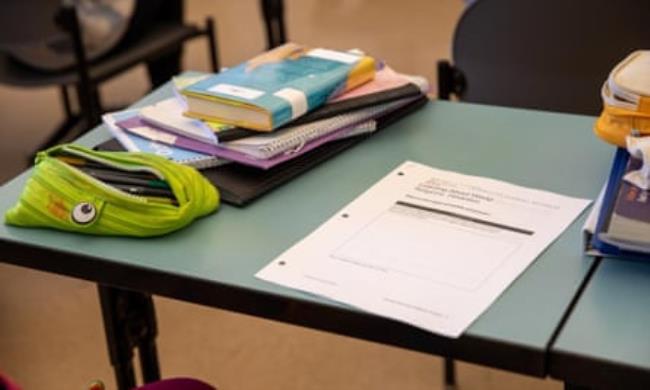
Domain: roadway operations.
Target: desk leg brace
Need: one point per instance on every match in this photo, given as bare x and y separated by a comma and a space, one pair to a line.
129, 322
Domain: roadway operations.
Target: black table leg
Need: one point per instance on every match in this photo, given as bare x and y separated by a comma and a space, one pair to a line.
450, 374
570, 386
129, 322
149, 362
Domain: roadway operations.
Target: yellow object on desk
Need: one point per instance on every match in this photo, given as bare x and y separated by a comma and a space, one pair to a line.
626, 100
78, 189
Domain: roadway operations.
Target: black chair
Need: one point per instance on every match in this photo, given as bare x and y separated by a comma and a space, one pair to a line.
549, 55
86, 76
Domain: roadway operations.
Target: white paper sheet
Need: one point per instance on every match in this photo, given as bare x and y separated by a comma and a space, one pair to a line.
428, 247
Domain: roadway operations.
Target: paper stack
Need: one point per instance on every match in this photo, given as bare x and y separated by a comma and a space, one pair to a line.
270, 109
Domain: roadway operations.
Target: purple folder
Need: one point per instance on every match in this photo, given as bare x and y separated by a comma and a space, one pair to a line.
191, 144
228, 154
246, 159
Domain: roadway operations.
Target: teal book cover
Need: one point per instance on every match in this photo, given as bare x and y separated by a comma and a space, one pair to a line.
283, 84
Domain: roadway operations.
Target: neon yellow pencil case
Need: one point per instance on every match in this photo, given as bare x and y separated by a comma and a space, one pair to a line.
69, 190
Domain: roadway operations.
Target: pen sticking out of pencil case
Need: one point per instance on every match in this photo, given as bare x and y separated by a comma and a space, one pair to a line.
111, 193
626, 100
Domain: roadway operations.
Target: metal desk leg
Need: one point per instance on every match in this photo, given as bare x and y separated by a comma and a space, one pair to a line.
450, 374
570, 386
129, 322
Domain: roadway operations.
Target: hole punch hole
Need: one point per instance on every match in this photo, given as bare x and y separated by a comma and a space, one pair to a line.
400, 173
345, 215
281, 262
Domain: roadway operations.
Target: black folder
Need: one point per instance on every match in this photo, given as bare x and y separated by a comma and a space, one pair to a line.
239, 184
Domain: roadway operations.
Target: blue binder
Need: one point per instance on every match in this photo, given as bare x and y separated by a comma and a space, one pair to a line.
619, 165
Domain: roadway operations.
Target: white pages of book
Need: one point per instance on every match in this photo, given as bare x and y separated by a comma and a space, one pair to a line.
428, 247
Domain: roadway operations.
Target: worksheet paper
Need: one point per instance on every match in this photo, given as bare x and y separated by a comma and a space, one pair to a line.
428, 247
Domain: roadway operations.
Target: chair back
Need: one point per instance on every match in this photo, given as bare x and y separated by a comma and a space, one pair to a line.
549, 54
27, 21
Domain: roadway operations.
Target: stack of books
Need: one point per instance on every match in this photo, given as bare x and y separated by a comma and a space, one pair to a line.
271, 109
619, 222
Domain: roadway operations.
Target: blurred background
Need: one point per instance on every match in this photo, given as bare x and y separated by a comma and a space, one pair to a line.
51, 335
410, 37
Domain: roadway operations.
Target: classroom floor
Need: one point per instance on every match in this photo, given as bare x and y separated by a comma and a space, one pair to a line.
51, 335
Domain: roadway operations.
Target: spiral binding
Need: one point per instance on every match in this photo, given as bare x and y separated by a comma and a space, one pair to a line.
293, 138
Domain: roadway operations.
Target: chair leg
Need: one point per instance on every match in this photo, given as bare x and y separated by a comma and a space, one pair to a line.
451, 80
212, 44
445, 80
67, 107
119, 348
147, 345
273, 12
149, 361
97, 106
86, 89
281, 26
450, 374
89, 104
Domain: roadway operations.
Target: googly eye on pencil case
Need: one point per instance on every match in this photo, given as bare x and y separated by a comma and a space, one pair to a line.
77, 189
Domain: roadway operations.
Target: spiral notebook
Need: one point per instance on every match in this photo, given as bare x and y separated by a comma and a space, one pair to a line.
267, 150
135, 143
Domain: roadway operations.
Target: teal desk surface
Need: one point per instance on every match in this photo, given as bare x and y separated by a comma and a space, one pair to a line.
605, 341
213, 261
